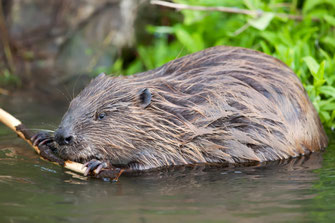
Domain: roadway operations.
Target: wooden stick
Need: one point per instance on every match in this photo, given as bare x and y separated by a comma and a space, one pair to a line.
254, 13
45, 152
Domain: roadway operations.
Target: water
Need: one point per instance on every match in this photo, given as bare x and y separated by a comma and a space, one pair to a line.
33, 190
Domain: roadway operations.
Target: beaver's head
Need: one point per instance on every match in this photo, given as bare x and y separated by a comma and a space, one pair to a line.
105, 121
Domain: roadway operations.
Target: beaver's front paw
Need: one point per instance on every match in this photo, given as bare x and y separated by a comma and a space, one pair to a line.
41, 138
94, 165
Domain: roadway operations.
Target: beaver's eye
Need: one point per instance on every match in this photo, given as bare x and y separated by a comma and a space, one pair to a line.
100, 116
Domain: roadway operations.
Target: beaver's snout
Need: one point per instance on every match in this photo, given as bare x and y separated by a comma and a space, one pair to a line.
63, 137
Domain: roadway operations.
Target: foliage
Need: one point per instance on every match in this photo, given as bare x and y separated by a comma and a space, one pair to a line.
7, 78
307, 46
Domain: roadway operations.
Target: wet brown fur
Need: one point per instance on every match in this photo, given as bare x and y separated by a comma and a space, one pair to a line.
220, 105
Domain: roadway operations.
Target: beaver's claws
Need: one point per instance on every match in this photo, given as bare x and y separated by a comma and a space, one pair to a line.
41, 138
94, 165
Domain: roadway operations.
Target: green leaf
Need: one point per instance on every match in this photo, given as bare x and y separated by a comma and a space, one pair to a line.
262, 22
146, 57
330, 2
329, 19
330, 41
324, 116
321, 70
193, 43
252, 4
117, 66
329, 107
333, 116
311, 63
160, 29
88, 51
270, 37
310, 4
134, 67
328, 90
265, 48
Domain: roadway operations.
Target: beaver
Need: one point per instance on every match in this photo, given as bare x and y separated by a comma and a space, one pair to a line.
225, 105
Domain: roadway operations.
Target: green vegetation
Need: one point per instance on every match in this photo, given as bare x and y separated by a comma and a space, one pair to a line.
307, 46
7, 78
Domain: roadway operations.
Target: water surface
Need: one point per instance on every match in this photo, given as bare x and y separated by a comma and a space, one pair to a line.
33, 190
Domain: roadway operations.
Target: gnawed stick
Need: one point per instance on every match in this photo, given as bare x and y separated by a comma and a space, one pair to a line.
46, 153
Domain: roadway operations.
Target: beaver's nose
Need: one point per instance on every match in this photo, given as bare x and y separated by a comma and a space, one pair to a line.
63, 138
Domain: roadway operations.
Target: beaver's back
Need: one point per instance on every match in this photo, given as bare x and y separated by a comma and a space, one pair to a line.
235, 105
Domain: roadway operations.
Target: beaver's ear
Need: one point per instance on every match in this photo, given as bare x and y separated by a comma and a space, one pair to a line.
145, 97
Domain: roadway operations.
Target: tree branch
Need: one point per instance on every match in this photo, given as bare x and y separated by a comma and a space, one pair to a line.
253, 13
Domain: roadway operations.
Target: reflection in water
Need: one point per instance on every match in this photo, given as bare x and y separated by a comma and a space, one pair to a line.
322, 207
32, 190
